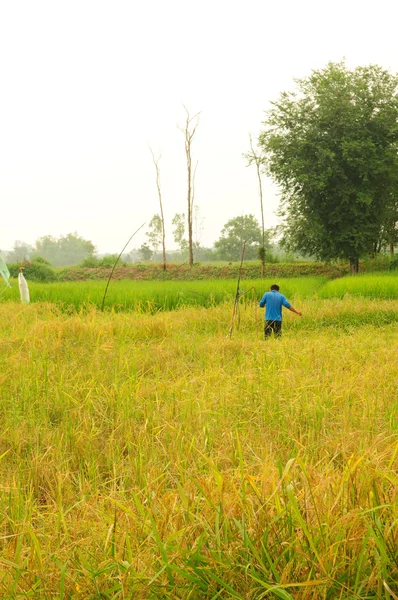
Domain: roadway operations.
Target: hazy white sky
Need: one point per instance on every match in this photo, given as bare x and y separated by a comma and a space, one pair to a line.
86, 86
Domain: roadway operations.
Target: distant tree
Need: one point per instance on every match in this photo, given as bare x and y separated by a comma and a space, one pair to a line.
155, 232
156, 163
48, 247
21, 252
132, 256
41, 260
189, 130
145, 252
236, 231
128, 257
67, 250
179, 231
203, 254
197, 228
332, 146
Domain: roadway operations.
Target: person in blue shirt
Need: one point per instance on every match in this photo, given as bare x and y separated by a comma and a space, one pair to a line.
273, 302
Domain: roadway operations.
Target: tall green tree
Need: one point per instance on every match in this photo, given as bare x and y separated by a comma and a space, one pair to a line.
331, 145
237, 231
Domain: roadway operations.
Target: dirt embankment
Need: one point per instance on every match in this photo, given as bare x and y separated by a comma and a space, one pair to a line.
183, 272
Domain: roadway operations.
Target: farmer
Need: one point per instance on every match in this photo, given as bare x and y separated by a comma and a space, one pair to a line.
273, 301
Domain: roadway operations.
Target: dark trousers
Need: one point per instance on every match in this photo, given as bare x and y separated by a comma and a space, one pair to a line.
272, 327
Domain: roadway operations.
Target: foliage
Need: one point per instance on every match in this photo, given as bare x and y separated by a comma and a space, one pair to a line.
108, 260
145, 252
217, 270
389, 232
394, 264
66, 250
155, 232
179, 231
155, 296
372, 285
41, 260
331, 145
90, 262
34, 271
105, 262
244, 228
21, 252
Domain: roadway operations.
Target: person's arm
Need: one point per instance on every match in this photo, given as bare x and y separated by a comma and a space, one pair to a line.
263, 302
287, 305
295, 311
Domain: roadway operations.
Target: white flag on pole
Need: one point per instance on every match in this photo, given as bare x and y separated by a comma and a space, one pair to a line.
23, 288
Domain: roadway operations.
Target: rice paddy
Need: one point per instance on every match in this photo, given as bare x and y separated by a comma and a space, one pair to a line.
373, 285
154, 296
148, 455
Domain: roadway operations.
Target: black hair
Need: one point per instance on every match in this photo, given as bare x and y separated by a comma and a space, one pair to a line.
275, 287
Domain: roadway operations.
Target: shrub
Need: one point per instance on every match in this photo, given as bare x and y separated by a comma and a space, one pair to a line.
377, 263
105, 262
35, 271
41, 261
90, 262
109, 260
394, 264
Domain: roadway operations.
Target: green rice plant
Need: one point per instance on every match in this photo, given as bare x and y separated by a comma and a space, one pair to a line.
374, 285
154, 296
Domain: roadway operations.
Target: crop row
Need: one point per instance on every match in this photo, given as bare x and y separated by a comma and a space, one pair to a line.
153, 296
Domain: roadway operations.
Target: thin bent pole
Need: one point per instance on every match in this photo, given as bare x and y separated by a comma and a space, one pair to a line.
116, 261
237, 295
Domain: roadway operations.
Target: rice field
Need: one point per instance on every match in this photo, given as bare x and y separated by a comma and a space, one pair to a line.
148, 455
154, 296
373, 285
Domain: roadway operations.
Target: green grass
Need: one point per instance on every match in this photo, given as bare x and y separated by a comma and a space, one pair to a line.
152, 296
150, 456
375, 285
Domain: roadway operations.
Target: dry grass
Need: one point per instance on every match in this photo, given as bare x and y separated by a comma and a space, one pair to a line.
152, 457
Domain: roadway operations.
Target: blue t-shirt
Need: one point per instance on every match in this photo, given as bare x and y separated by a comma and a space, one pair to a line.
273, 301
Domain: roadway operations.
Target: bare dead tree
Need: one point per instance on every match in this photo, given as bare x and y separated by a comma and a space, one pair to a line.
189, 130
156, 163
254, 158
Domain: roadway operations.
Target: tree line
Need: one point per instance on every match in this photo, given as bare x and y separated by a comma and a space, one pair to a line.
331, 146
63, 251
73, 249
228, 246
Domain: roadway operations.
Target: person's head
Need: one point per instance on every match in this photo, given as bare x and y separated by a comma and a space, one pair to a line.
275, 287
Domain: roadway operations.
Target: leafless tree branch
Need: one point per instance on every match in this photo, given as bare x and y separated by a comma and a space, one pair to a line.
156, 163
